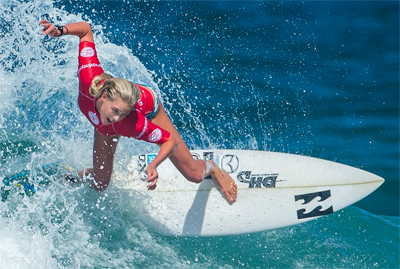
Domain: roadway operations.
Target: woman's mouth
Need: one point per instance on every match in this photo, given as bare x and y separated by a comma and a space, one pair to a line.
106, 121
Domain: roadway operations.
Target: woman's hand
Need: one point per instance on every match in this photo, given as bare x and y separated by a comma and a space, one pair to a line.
79, 29
152, 176
166, 149
49, 29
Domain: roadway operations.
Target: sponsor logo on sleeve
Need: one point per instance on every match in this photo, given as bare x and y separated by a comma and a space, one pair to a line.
155, 136
93, 117
88, 66
313, 207
87, 52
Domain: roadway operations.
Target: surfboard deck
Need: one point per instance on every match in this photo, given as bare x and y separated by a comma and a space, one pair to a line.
275, 190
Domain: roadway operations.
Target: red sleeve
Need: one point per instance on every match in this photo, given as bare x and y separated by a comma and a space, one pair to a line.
154, 134
89, 65
137, 126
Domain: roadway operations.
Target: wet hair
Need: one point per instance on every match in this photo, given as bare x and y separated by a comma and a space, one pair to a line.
115, 88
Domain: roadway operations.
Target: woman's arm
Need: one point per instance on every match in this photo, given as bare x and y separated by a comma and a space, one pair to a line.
80, 29
103, 159
166, 149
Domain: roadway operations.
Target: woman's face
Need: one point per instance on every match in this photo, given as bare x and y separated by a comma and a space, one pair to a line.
112, 111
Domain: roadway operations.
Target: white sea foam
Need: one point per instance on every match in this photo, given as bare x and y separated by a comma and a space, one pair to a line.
60, 226
64, 226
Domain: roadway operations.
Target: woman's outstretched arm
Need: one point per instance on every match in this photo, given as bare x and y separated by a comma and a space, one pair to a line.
103, 159
80, 29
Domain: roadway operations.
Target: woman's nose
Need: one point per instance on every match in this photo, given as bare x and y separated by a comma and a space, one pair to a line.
115, 118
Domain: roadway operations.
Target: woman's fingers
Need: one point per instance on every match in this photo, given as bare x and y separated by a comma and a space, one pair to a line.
152, 177
48, 28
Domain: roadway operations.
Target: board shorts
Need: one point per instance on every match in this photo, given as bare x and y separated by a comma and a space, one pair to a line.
155, 109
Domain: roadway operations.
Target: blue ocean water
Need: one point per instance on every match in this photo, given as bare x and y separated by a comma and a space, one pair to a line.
313, 78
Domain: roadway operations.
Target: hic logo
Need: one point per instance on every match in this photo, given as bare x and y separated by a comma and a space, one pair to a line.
257, 180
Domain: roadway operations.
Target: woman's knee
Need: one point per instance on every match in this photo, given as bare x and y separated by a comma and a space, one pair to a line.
200, 172
195, 177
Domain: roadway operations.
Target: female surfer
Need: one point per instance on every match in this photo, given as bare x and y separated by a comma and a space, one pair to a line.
117, 107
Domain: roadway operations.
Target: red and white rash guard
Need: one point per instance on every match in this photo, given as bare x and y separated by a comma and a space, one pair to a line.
135, 124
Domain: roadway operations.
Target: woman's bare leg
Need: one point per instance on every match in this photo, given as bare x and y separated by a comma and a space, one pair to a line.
192, 170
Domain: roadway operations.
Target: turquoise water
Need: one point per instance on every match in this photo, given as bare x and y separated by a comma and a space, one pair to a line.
314, 78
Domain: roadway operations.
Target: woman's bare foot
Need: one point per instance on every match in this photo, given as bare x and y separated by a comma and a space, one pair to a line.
225, 183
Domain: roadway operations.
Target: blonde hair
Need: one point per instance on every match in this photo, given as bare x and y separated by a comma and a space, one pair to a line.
115, 88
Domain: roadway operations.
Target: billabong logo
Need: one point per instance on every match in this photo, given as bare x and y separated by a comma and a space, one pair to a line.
93, 117
230, 163
87, 52
314, 211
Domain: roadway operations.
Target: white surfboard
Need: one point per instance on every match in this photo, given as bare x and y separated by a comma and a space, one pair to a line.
274, 190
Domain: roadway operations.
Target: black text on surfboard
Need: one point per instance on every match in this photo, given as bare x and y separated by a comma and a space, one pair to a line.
257, 180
